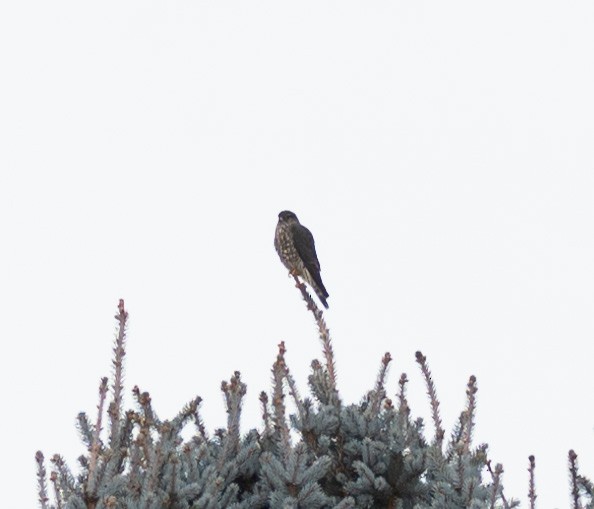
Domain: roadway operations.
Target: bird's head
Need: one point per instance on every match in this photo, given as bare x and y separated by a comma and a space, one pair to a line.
286, 216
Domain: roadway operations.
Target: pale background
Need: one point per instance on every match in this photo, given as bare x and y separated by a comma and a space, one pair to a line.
441, 153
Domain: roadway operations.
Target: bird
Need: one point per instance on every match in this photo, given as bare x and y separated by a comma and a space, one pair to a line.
296, 248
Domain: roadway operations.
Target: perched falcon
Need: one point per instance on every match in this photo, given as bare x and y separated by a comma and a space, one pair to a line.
295, 246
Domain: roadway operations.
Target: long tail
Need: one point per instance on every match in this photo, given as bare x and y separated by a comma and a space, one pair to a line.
322, 297
315, 281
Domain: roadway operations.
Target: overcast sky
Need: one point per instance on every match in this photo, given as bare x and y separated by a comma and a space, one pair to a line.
440, 152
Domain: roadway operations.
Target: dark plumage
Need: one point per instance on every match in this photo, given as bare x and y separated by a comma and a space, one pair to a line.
296, 248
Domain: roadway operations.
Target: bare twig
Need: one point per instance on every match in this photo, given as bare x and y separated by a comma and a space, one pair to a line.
531, 484
323, 331
431, 391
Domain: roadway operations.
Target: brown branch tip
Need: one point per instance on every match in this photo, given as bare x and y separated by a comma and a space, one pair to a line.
123, 314
531, 484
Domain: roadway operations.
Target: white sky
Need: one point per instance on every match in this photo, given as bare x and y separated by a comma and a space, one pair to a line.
441, 153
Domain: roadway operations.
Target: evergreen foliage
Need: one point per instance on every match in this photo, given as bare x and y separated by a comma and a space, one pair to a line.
367, 455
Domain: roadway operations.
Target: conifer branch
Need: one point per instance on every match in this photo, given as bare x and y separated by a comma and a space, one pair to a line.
96, 445
136, 467
573, 477
588, 488
198, 419
460, 467
189, 411
278, 400
115, 410
234, 392
265, 413
154, 467
172, 495
496, 480
65, 478
57, 493
84, 428
346, 503
293, 388
353, 456
379, 391
496, 477
144, 440
324, 333
456, 436
431, 391
143, 399
470, 492
469, 414
531, 484
41, 480
319, 383
403, 408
